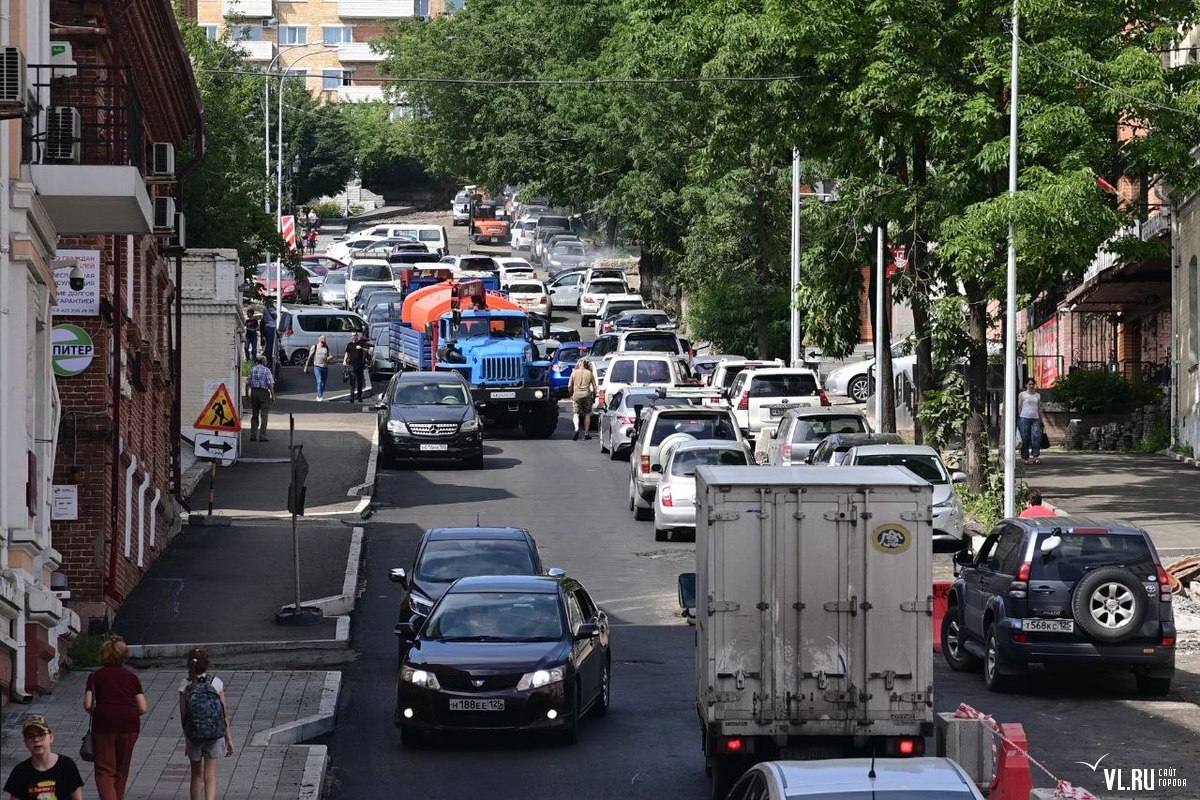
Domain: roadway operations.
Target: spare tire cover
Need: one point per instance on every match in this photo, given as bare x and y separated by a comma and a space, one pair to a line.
668, 445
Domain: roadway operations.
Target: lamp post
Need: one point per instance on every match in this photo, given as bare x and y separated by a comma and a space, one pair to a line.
1008, 441
296, 181
796, 353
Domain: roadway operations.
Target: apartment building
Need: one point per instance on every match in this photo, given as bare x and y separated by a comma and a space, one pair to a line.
325, 43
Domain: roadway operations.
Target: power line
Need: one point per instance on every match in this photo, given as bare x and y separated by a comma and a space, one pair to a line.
539, 81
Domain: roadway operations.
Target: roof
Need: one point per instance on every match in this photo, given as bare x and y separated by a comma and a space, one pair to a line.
711, 444
896, 449
824, 411
844, 441
827, 778
809, 476
543, 584
1072, 521
441, 534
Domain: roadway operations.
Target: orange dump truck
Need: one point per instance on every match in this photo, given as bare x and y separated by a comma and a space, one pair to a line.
489, 223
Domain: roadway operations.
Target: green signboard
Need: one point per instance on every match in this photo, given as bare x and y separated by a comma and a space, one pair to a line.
71, 350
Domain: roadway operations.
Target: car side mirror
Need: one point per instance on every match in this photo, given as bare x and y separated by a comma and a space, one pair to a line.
687, 593
588, 630
556, 572
381, 406
397, 575
406, 630
958, 477
964, 558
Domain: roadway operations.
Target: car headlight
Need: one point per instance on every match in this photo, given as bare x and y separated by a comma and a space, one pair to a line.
397, 427
419, 603
470, 425
419, 677
539, 678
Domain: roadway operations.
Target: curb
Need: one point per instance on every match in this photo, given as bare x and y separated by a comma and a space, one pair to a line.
338, 604
1180, 457
310, 727
340, 641
366, 489
206, 521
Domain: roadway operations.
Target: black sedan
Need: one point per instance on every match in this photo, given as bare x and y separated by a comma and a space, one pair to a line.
429, 415
446, 554
506, 653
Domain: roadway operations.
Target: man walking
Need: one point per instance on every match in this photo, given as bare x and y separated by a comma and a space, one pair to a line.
262, 395
270, 322
358, 356
251, 336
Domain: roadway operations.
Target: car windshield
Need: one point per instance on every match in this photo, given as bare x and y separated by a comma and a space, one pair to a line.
605, 287
652, 343
371, 272
272, 273
495, 327
431, 394
643, 321
925, 467
335, 277
1080, 552
684, 464
444, 561
495, 617
784, 385
525, 288
631, 399
569, 355
615, 274
484, 264
815, 429
568, 249
709, 426
385, 313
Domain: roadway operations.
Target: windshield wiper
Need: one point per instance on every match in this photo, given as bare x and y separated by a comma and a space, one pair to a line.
474, 639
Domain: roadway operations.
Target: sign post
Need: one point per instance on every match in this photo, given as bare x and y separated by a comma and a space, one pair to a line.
219, 415
297, 614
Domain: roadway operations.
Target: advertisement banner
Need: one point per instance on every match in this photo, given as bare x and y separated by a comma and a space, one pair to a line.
1042, 349
83, 302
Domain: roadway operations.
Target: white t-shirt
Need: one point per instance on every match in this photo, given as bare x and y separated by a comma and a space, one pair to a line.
1029, 403
216, 682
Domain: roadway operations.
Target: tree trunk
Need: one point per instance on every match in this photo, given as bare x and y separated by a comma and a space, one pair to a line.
610, 233
975, 445
885, 379
919, 297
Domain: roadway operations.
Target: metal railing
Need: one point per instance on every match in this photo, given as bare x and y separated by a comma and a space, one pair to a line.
88, 114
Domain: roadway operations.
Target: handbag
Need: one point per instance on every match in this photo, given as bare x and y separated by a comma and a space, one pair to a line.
87, 748
1044, 442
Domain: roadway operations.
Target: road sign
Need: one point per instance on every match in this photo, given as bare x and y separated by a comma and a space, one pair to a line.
219, 414
287, 229
220, 446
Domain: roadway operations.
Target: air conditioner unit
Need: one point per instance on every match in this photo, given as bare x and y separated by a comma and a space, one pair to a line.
63, 126
164, 215
14, 82
62, 57
162, 160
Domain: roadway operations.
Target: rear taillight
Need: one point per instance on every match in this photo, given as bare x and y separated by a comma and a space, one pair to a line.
587, 298
744, 403
1020, 637
1164, 584
785, 453
664, 494
824, 397
1017, 588
735, 745
1168, 640
600, 396
645, 465
288, 332
905, 746
625, 420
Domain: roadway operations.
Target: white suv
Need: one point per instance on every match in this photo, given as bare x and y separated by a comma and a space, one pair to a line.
761, 396
522, 234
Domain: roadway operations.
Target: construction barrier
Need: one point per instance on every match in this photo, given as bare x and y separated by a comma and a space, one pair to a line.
1013, 780
941, 595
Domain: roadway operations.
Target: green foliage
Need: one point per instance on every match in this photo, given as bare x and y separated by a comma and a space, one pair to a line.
85, 651
1182, 449
328, 209
1090, 391
1157, 440
985, 507
943, 412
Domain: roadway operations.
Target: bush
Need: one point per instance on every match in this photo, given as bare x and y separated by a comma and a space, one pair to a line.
85, 651
986, 507
1090, 391
327, 209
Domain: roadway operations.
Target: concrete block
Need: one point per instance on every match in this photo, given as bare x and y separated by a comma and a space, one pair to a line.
969, 742
1041, 794
204, 520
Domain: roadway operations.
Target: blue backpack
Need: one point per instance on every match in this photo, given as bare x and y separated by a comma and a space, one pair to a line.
205, 717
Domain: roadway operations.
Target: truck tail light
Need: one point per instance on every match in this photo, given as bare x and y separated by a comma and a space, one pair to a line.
664, 494
1018, 588
1168, 640
587, 298
288, 332
732, 744
824, 397
744, 403
625, 420
645, 465
905, 746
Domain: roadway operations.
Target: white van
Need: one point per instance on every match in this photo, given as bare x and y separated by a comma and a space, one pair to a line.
432, 236
300, 327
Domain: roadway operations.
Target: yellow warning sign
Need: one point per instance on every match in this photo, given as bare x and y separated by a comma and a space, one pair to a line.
219, 414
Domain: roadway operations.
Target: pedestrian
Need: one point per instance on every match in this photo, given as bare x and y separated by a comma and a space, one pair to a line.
113, 696
1035, 507
357, 358
207, 729
582, 388
314, 221
1029, 421
312, 242
252, 332
262, 395
269, 325
319, 358
45, 775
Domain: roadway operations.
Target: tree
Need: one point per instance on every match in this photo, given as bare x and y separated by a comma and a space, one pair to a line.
317, 132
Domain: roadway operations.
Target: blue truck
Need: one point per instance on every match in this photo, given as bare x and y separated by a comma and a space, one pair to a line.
488, 343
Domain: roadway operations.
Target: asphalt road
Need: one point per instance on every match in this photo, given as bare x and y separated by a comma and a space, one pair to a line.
574, 501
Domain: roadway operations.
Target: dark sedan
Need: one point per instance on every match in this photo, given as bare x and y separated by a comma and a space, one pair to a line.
446, 554
506, 653
429, 415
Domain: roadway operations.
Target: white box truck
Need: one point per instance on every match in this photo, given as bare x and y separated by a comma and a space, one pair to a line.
813, 604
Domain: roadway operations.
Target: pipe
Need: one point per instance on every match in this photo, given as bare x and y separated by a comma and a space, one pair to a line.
118, 331
1176, 261
141, 561
132, 468
153, 518
794, 301
129, 276
76, 30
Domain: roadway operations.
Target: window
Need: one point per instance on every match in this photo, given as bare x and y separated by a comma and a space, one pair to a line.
332, 79
314, 323
247, 33
698, 427
585, 604
783, 385
926, 467
654, 371
211, 31
817, 428
337, 34
574, 613
621, 372
296, 73
293, 34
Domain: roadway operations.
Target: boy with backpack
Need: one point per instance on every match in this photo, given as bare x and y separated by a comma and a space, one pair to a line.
206, 728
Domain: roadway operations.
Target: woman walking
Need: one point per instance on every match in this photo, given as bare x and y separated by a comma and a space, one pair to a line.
582, 388
114, 697
207, 731
1029, 421
319, 358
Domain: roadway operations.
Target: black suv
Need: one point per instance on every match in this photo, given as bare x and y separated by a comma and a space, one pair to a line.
429, 415
1062, 590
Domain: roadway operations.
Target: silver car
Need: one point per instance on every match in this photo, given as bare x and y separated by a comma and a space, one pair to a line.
924, 462
854, 778
618, 418
332, 291
675, 500
800, 430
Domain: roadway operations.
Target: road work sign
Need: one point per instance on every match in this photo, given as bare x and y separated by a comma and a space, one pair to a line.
219, 414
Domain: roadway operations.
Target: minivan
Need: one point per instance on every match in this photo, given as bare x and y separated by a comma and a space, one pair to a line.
300, 327
432, 236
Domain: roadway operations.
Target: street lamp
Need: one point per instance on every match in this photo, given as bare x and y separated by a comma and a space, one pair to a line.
296, 180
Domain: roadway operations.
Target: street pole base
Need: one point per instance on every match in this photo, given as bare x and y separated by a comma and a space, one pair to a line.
306, 615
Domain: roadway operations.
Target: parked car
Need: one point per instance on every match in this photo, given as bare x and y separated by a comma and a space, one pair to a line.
761, 396
274, 280
727, 371
833, 448
801, 429
1080, 592
856, 379
299, 329
613, 317
675, 498
613, 304
432, 236
562, 365
367, 272
658, 429
530, 295
446, 554
341, 249
564, 255
593, 294
924, 462
617, 417
638, 369
521, 234
506, 653
924, 778
429, 415
332, 291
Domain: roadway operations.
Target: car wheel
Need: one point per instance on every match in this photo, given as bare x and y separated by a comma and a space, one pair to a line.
474, 462
954, 642
992, 677
661, 534
859, 388
722, 776
1109, 604
410, 737
632, 504
600, 707
1152, 687
299, 356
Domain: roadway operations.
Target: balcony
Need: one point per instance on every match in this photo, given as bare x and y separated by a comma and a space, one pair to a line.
256, 51
376, 9
351, 52
360, 94
84, 151
247, 8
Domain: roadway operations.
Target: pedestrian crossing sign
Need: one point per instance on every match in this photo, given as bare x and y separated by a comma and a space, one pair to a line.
219, 414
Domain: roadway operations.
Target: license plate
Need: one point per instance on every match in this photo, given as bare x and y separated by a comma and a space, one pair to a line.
777, 411
1049, 625
437, 448
503, 395
471, 704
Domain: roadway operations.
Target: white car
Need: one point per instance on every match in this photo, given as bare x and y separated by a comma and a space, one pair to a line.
856, 779
367, 272
593, 295
530, 295
613, 303
727, 370
639, 369
855, 380
762, 396
512, 269
341, 249
924, 462
521, 236
675, 499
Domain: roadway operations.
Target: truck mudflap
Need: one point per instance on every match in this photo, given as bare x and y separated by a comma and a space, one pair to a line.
510, 395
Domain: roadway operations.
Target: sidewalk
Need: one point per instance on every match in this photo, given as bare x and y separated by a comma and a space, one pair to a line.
271, 711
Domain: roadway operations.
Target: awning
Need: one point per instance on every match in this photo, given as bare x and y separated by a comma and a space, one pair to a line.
1135, 289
